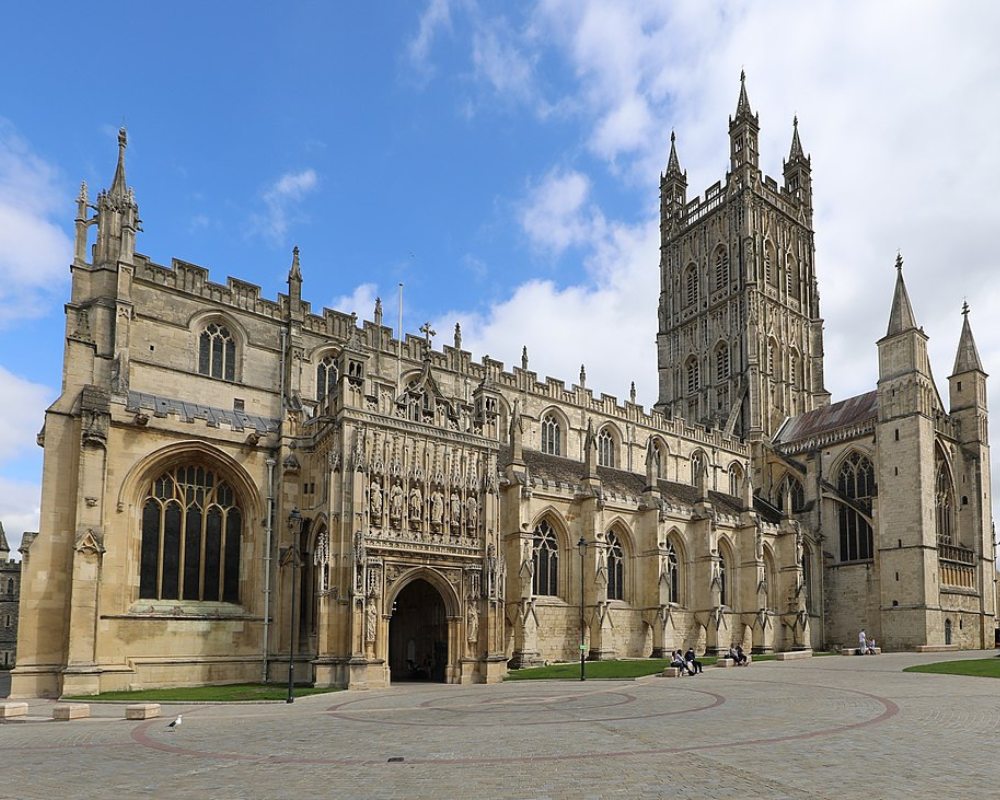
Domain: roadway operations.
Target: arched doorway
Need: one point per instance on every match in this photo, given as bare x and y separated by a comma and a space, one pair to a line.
418, 634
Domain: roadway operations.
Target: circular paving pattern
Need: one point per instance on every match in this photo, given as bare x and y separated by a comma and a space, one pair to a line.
552, 722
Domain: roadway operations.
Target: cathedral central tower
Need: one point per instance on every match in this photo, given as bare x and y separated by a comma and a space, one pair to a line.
740, 337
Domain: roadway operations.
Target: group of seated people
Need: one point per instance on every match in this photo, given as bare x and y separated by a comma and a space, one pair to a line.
687, 663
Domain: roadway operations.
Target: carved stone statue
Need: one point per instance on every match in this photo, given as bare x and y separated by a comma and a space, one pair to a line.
416, 503
396, 502
472, 513
456, 510
437, 508
375, 494
472, 622
371, 620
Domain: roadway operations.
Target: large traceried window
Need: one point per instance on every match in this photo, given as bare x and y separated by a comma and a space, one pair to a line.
735, 480
616, 568
856, 483
545, 558
551, 435
605, 448
943, 502
217, 352
191, 538
327, 374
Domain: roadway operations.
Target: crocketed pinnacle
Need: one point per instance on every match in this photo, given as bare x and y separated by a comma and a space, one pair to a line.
967, 357
901, 317
796, 149
118, 188
673, 163
743, 104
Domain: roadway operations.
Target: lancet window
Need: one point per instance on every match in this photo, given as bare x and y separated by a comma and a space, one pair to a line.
616, 568
551, 435
326, 377
605, 449
545, 557
856, 485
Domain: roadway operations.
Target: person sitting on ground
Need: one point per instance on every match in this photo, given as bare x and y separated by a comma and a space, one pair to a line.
871, 647
692, 661
741, 657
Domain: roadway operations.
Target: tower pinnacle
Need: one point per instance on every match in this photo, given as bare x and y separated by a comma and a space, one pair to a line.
901, 317
118, 188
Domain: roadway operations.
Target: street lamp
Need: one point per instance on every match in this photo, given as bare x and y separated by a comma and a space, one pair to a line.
582, 546
291, 556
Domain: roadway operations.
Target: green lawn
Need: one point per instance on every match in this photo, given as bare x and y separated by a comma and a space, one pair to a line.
977, 667
607, 669
211, 694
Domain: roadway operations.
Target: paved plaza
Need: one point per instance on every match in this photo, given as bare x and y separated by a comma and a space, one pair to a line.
832, 727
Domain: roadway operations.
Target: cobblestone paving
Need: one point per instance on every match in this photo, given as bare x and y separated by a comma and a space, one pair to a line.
801, 729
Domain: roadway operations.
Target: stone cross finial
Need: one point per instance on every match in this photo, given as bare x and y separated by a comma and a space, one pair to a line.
899, 261
428, 332
965, 308
378, 311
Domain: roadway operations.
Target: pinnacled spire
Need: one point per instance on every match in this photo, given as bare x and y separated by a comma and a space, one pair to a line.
796, 149
295, 273
673, 163
743, 104
967, 357
901, 317
118, 188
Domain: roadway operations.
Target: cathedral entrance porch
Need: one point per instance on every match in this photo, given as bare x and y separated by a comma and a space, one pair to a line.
418, 635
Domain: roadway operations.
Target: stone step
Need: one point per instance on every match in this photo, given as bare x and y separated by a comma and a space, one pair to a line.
793, 655
68, 711
142, 711
11, 710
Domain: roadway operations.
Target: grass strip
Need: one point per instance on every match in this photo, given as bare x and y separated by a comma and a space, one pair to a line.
976, 667
227, 693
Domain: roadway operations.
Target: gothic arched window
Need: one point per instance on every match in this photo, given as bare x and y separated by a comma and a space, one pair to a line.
693, 375
697, 466
191, 537
724, 589
673, 575
326, 377
943, 502
605, 448
721, 268
217, 352
722, 363
551, 435
545, 558
616, 568
735, 480
792, 488
691, 285
856, 484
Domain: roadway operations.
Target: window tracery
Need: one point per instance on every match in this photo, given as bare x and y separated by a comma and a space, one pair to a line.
545, 557
551, 435
616, 568
856, 483
605, 449
217, 352
191, 537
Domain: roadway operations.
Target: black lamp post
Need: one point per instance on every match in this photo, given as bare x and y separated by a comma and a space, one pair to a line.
582, 545
292, 556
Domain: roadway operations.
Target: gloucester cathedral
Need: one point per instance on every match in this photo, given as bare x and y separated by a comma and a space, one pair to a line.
233, 484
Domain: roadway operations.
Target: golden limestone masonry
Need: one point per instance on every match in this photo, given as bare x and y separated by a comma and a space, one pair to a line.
230, 480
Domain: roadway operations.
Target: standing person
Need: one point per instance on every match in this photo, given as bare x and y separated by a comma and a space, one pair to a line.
862, 644
693, 663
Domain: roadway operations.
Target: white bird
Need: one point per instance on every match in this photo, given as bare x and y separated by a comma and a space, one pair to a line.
175, 724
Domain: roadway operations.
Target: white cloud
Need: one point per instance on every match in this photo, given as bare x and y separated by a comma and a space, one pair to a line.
499, 61
35, 252
896, 108
361, 301
436, 17
24, 406
281, 200
555, 215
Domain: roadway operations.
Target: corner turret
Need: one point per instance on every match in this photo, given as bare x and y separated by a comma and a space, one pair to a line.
117, 216
673, 191
798, 171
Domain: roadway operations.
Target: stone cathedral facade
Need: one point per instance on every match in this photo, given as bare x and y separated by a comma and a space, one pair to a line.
233, 484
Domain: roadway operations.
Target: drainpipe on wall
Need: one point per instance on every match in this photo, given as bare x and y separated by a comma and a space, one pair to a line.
268, 523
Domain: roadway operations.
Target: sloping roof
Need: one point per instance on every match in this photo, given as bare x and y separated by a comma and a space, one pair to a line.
847, 413
570, 472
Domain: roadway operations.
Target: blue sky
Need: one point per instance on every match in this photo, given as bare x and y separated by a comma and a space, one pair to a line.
501, 160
